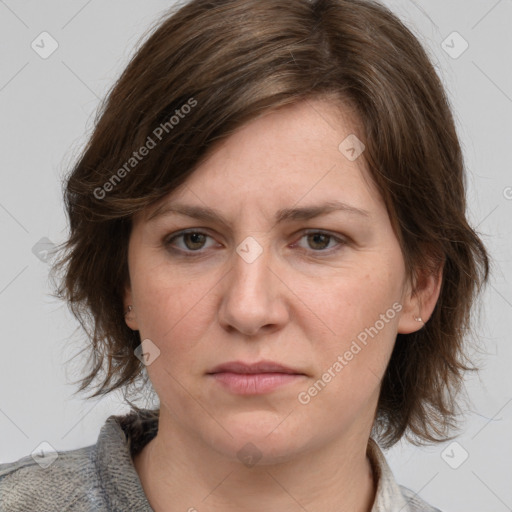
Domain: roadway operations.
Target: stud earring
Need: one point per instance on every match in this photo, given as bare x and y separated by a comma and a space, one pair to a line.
128, 310
418, 319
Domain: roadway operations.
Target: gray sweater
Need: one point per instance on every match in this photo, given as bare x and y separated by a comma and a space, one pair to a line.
101, 477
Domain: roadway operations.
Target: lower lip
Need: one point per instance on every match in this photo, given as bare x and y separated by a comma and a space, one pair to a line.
254, 383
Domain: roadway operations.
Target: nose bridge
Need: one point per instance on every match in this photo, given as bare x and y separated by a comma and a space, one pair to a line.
249, 295
251, 266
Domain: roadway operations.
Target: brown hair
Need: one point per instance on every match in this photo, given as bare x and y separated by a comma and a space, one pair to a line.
211, 66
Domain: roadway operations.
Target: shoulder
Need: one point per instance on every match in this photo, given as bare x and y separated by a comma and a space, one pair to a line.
415, 503
96, 478
65, 480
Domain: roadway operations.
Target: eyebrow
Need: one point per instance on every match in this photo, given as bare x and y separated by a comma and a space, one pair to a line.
283, 215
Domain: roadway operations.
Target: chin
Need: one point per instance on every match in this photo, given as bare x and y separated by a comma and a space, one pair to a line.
259, 436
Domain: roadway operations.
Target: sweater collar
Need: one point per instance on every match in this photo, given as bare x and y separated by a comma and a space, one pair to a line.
388, 496
119, 439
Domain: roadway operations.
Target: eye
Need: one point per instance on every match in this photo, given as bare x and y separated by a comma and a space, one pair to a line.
318, 241
192, 240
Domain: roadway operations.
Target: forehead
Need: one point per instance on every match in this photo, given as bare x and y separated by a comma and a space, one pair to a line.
297, 153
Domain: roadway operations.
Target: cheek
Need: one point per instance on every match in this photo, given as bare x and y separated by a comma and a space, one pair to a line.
362, 313
172, 308
352, 359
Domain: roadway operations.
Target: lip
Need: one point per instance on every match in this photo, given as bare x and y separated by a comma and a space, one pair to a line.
259, 367
257, 378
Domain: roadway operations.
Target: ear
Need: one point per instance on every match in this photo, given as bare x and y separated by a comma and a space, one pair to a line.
130, 316
420, 299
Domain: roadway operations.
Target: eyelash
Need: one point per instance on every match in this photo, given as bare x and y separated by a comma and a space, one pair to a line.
191, 254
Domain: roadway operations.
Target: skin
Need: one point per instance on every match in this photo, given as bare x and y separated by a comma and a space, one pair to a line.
301, 303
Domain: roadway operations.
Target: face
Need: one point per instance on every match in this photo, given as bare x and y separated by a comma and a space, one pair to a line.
298, 266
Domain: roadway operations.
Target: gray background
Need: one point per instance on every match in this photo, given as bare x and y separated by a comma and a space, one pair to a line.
47, 112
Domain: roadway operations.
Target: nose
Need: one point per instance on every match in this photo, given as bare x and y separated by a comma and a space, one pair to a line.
253, 295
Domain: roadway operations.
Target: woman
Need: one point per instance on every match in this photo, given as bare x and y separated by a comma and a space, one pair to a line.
268, 223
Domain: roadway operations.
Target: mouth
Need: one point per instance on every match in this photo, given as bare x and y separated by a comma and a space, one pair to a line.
243, 368
262, 377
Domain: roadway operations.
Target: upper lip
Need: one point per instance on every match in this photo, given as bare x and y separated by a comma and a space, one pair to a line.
258, 367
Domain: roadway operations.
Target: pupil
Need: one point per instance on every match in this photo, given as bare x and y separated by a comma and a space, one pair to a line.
194, 237
316, 236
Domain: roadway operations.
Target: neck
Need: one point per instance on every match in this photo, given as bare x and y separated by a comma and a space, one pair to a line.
186, 473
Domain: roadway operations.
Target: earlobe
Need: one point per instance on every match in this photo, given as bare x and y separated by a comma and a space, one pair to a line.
420, 300
130, 316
